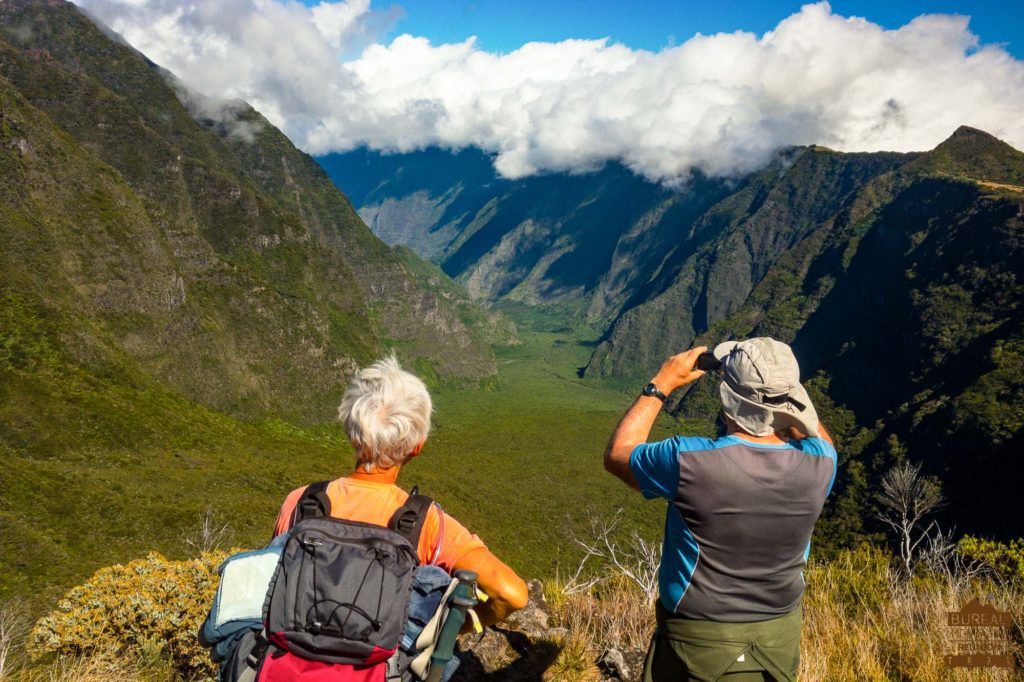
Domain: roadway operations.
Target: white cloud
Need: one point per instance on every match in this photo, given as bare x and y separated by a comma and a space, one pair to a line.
722, 102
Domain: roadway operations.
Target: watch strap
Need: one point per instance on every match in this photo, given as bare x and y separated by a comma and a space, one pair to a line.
653, 390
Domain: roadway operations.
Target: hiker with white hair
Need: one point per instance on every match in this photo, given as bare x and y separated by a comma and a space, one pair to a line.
741, 510
386, 414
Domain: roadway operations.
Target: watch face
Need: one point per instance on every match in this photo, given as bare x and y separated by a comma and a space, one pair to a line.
653, 391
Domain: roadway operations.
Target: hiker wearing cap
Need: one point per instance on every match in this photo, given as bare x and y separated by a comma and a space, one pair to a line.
386, 414
741, 509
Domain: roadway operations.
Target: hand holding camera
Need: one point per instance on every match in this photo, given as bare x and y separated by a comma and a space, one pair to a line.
707, 362
679, 370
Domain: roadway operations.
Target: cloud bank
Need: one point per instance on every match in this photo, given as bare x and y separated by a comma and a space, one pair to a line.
723, 103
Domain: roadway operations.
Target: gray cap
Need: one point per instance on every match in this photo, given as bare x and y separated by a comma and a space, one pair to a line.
761, 387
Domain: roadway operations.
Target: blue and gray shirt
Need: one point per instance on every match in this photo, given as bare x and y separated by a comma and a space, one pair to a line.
739, 521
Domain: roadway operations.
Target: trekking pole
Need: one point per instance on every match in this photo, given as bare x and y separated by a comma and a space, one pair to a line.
462, 600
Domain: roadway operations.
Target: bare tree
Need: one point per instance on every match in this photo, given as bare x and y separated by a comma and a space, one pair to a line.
209, 536
906, 498
940, 554
636, 559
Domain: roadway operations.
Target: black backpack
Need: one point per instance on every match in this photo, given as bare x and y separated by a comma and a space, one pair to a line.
340, 594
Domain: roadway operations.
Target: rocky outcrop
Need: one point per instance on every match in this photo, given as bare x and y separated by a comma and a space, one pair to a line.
526, 645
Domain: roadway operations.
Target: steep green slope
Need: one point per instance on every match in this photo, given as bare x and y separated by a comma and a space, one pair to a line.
907, 307
711, 271
176, 292
276, 287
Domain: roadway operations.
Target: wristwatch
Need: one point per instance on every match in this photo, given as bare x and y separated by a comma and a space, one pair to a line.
653, 391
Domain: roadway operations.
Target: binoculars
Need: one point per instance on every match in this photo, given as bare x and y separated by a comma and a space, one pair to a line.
708, 362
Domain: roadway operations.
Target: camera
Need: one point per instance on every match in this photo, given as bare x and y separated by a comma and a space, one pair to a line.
708, 362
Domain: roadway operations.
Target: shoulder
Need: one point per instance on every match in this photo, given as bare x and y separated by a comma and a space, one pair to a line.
678, 444
284, 516
697, 443
292, 498
818, 447
444, 540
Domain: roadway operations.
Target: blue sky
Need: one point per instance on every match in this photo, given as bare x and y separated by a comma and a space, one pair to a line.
503, 25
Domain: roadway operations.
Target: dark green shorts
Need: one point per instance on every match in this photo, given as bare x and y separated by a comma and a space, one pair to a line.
684, 649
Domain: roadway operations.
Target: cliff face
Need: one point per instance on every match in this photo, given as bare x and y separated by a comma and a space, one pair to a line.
592, 240
906, 307
725, 252
190, 237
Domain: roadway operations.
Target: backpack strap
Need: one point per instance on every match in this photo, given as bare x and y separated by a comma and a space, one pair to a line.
408, 519
313, 504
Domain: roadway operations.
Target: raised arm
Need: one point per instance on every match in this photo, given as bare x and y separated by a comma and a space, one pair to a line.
506, 590
635, 425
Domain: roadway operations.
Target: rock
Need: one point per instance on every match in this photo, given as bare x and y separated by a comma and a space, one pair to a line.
622, 664
524, 646
533, 619
612, 661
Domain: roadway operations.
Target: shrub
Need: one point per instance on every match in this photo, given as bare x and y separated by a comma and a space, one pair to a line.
147, 609
1007, 559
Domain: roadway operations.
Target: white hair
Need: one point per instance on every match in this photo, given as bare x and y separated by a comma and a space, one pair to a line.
386, 413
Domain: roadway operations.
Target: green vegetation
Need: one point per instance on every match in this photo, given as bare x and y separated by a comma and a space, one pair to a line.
521, 464
1006, 558
135, 468
183, 300
211, 254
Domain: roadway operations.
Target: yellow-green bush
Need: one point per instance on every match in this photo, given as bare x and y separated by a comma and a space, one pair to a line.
145, 609
1006, 558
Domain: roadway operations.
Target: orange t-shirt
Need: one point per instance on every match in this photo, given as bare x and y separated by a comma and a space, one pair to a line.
443, 540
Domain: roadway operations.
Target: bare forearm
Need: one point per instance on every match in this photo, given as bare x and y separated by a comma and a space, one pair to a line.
633, 429
505, 590
492, 611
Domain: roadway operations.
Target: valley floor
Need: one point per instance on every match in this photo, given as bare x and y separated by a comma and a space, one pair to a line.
519, 462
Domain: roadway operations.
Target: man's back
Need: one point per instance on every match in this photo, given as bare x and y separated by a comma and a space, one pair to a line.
739, 521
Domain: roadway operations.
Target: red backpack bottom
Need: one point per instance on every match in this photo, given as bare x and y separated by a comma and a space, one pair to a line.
288, 667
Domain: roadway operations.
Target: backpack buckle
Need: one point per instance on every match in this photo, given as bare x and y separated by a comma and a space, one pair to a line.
406, 522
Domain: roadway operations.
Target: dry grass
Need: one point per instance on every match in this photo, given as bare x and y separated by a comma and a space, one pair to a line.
613, 613
862, 621
1000, 185
90, 670
13, 628
575, 662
